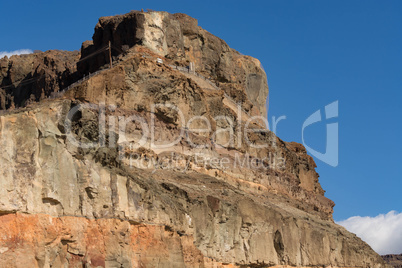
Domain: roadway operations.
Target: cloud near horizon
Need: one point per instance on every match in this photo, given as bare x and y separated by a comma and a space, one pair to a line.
383, 232
15, 52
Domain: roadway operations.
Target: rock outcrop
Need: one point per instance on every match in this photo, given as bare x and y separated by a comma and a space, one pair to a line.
179, 39
30, 78
393, 260
149, 165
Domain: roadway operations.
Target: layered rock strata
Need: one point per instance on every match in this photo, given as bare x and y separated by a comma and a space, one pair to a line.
88, 179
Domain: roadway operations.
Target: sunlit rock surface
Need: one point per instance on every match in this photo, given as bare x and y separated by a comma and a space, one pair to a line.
87, 188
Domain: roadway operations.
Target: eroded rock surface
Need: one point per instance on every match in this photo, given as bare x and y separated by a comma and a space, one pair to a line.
30, 78
393, 260
81, 185
179, 39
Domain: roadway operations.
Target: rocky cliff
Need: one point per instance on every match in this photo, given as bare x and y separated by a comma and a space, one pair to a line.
153, 164
30, 78
179, 39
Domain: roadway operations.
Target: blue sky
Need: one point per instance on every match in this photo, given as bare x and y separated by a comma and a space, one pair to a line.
314, 53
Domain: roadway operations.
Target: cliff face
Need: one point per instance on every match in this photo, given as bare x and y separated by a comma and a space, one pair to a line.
149, 165
30, 78
178, 38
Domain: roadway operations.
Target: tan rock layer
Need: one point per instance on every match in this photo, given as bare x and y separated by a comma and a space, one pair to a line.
43, 173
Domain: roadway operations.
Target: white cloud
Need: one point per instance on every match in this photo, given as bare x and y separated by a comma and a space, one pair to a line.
15, 52
383, 232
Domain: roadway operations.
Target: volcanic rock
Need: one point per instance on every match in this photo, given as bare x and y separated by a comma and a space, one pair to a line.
34, 77
88, 181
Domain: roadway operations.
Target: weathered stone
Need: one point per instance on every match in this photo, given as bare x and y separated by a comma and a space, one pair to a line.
95, 206
29, 78
393, 260
179, 39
